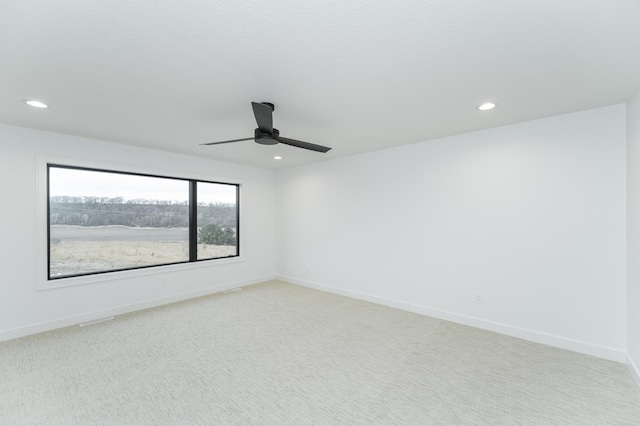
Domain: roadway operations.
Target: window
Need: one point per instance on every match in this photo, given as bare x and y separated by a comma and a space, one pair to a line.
104, 221
217, 220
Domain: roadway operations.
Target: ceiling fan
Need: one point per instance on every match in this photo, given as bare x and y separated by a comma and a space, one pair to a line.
265, 134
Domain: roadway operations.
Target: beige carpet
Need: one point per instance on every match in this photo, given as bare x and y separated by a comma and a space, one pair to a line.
278, 354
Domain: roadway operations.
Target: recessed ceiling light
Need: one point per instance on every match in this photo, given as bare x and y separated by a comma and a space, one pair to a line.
487, 106
277, 157
35, 104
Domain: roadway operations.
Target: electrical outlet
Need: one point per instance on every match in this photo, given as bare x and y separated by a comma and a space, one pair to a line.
478, 298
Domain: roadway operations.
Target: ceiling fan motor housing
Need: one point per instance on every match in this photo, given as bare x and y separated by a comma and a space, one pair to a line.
267, 138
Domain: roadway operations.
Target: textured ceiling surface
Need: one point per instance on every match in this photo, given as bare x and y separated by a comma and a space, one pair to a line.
353, 75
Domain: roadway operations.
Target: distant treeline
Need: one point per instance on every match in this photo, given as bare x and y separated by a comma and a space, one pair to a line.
102, 211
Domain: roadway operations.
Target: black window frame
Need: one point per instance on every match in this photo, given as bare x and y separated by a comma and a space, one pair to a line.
193, 220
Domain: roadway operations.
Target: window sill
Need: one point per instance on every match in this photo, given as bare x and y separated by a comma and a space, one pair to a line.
46, 284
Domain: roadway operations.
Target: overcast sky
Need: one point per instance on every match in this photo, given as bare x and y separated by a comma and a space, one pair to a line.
75, 182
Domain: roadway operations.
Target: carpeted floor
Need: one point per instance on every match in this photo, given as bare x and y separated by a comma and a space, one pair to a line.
279, 354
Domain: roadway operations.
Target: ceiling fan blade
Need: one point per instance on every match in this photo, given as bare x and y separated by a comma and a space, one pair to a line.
305, 145
233, 140
264, 116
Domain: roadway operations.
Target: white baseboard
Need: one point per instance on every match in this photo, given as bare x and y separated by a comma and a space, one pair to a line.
521, 333
633, 369
123, 309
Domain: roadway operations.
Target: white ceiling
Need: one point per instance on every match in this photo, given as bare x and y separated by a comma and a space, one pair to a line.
353, 75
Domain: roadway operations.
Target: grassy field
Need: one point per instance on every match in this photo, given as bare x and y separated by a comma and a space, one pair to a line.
78, 250
117, 232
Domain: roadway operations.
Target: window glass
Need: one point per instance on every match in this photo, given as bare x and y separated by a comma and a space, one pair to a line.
217, 220
103, 221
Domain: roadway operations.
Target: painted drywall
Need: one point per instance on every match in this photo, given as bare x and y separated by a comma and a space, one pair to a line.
633, 234
24, 309
530, 216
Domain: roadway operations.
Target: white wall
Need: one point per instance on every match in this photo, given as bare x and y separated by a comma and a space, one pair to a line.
24, 309
531, 215
633, 233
